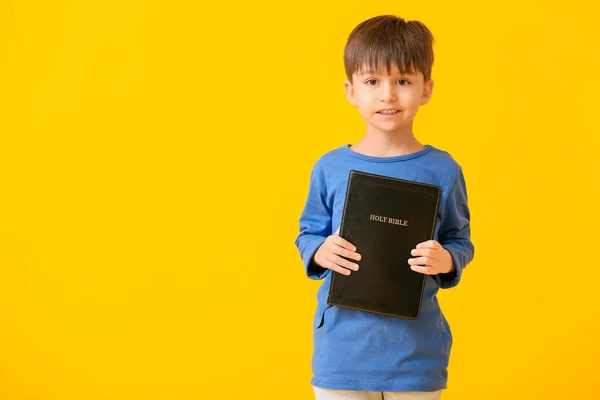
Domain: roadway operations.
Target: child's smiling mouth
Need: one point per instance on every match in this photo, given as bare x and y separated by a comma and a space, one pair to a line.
388, 113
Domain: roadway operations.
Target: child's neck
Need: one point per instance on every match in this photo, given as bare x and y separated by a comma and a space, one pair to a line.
387, 145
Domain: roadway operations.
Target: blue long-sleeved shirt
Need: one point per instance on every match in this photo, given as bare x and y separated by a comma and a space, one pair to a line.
357, 350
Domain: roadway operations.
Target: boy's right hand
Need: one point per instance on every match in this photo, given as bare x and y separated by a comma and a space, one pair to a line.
328, 255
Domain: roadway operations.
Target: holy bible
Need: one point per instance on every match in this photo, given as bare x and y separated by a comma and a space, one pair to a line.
385, 218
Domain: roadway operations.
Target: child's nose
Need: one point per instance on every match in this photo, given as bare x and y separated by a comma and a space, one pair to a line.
389, 93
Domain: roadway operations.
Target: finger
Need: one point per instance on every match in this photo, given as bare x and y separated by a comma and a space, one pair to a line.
427, 252
432, 244
337, 233
342, 262
421, 261
335, 267
345, 253
340, 241
422, 270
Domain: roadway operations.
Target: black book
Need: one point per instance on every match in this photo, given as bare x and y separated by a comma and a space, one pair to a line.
385, 218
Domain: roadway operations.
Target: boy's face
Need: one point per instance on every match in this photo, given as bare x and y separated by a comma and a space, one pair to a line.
400, 94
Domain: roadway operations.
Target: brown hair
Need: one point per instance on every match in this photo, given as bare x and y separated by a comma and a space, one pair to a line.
388, 38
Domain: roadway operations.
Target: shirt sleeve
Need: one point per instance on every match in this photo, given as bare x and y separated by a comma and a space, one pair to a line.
455, 232
315, 224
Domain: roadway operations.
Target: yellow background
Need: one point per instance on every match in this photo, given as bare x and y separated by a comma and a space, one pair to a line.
154, 161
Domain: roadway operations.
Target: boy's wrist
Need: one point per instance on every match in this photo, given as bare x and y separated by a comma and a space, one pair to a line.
450, 274
448, 267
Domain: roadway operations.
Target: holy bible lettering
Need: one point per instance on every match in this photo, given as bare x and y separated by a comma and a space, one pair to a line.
389, 220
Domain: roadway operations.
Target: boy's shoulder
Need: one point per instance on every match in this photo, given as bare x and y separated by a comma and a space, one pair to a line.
443, 158
334, 155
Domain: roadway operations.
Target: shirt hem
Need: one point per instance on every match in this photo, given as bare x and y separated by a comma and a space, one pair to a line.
379, 386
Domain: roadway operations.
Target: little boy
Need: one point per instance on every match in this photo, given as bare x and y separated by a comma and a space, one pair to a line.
362, 355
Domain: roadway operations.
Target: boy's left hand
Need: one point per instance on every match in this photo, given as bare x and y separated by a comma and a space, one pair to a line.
430, 258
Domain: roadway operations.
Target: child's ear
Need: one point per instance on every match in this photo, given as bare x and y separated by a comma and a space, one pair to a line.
427, 91
349, 92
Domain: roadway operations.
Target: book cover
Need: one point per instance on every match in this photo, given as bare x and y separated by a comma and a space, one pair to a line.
385, 218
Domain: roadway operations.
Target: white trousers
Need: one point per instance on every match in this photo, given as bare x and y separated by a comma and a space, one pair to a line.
328, 394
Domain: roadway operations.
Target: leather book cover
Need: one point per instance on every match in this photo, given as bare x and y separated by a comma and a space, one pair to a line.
385, 218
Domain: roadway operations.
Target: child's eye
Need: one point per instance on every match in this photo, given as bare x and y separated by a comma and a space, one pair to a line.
403, 82
371, 82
